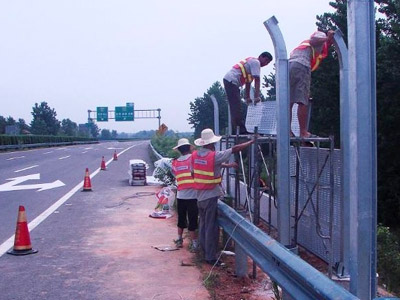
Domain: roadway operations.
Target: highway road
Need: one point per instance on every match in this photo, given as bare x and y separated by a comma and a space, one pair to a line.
91, 245
38, 178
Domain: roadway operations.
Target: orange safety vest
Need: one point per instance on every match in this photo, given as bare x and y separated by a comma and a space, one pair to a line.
183, 174
203, 169
315, 58
245, 77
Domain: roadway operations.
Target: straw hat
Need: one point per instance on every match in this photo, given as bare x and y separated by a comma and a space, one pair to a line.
182, 142
207, 137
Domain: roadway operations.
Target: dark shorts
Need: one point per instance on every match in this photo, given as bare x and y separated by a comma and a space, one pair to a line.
300, 80
187, 213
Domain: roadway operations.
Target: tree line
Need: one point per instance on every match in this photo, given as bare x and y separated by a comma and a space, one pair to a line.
45, 122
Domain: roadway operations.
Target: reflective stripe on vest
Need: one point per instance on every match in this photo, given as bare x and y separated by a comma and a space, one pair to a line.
203, 169
183, 175
315, 58
245, 77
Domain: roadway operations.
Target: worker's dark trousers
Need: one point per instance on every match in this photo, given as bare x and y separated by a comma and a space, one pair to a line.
208, 227
233, 95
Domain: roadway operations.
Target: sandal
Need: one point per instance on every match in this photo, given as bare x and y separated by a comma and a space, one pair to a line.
311, 136
178, 243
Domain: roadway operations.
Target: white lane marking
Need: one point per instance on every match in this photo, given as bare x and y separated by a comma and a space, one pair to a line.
88, 148
114, 148
15, 157
84, 152
9, 243
12, 185
27, 168
48, 152
64, 157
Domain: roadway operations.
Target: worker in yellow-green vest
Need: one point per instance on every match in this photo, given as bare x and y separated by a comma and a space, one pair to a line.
243, 73
186, 194
207, 164
303, 60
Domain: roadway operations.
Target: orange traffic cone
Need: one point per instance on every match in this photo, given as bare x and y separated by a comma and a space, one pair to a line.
22, 241
87, 185
103, 164
115, 155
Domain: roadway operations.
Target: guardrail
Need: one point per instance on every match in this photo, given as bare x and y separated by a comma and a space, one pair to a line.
38, 145
296, 277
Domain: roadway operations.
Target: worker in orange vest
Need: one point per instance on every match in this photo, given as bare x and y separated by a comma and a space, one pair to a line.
241, 74
303, 60
207, 164
186, 194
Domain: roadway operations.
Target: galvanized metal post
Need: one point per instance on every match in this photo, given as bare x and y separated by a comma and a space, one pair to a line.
256, 181
241, 267
362, 131
159, 117
216, 118
283, 129
341, 50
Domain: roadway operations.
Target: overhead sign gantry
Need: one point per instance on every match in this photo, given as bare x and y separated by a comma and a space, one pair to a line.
123, 113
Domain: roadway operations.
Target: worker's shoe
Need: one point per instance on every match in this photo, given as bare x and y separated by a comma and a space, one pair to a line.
194, 248
215, 263
178, 243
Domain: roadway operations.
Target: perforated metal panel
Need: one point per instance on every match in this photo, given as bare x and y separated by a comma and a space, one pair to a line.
263, 116
315, 220
312, 220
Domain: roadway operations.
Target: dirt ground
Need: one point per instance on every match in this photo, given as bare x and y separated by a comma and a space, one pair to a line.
223, 284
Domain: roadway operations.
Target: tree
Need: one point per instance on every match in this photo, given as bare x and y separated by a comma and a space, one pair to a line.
23, 127
105, 134
270, 83
202, 109
388, 110
3, 124
93, 129
10, 121
114, 134
69, 128
44, 120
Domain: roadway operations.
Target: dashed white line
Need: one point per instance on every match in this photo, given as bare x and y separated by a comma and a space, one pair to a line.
48, 152
27, 168
16, 157
39, 219
64, 157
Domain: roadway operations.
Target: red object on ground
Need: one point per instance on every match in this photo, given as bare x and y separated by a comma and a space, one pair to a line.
103, 164
87, 185
22, 241
115, 155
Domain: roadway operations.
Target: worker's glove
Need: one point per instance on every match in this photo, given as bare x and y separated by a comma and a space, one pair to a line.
248, 101
256, 100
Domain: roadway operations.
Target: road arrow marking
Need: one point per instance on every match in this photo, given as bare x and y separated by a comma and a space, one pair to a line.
12, 185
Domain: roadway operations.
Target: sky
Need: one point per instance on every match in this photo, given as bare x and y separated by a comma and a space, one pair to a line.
77, 55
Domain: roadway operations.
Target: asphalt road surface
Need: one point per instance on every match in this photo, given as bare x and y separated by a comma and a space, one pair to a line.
92, 245
39, 178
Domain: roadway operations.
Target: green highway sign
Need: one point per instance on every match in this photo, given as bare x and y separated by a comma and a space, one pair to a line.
124, 113
102, 114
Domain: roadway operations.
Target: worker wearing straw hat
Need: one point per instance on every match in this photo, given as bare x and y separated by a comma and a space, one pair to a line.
207, 164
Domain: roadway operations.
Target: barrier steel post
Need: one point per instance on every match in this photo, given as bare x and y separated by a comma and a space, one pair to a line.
362, 132
282, 130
